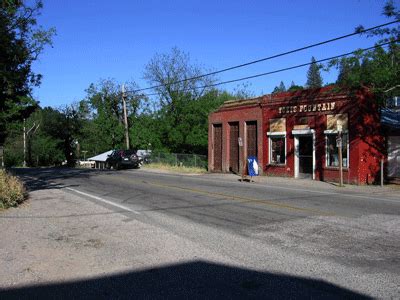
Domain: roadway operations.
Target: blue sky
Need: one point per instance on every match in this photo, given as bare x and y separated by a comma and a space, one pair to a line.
116, 39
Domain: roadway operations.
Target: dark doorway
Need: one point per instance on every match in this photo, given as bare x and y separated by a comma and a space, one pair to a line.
217, 147
252, 138
305, 156
234, 147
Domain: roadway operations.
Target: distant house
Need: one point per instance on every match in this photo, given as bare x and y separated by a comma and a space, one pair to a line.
100, 159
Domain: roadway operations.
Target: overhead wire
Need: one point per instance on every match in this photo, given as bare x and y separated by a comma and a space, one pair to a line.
266, 58
283, 69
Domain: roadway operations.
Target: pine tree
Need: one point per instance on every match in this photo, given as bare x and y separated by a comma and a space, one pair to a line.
279, 89
282, 87
314, 79
293, 87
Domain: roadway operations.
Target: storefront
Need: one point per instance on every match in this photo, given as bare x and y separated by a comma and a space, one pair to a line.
235, 132
390, 119
298, 135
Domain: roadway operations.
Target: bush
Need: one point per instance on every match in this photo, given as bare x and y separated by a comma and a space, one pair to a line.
12, 191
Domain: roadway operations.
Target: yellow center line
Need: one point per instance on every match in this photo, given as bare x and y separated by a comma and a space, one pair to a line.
233, 197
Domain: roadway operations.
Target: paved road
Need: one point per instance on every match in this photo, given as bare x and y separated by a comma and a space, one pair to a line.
347, 238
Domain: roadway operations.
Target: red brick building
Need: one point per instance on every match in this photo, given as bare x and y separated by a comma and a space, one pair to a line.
294, 134
234, 119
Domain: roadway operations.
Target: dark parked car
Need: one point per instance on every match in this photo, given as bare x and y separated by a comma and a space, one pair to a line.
122, 159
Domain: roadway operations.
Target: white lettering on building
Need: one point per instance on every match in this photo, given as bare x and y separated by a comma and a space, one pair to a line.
307, 108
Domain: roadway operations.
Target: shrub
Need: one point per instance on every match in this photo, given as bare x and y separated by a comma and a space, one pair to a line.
12, 191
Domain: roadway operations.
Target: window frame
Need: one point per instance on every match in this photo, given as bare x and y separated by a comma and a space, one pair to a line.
280, 134
335, 133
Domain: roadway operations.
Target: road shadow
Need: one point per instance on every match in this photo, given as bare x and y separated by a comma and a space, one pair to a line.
47, 178
192, 280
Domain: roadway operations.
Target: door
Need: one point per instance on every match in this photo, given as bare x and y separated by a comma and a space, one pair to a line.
305, 153
251, 138
234, 147
217, 148
393, 163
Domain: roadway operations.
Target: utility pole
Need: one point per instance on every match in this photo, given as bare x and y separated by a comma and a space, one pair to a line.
84, 154
25, 136
125, 117
24, 145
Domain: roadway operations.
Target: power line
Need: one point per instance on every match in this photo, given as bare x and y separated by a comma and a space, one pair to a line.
283, 69
267, 58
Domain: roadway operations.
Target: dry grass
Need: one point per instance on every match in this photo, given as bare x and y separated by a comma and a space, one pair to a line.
12, 191
177, 169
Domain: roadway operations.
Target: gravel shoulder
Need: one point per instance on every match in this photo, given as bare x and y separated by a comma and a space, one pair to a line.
56, 237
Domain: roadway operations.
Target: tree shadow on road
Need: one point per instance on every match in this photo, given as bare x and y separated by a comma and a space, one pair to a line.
191, 280
47, 178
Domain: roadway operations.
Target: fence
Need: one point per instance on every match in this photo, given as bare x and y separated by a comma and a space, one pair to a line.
178, 159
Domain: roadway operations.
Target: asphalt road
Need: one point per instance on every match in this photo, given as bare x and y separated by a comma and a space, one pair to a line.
350, 239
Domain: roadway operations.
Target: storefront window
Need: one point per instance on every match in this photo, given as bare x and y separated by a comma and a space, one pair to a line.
332, 151
277, 150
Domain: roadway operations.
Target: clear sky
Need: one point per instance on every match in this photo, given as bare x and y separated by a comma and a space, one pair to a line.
116, 39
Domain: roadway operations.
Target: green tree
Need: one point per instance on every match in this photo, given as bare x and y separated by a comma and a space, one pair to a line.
59, 129
314, 79
170, 74
279, 89
50, 141
293, 87
388, 34
45, 150
147, 131
103, 127
104, 101
21, 43
377, 69
197, 117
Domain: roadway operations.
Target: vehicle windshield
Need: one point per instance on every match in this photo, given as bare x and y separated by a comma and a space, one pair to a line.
128, 152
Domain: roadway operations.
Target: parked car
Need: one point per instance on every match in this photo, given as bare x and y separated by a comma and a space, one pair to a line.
119, 159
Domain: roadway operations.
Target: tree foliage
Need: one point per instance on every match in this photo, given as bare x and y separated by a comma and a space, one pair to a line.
170, 72
158, 130
279, 89
175, 120
45, 144
293, 87
103, 107
182, 94
387, 34
377, 69
314, 79
22, 40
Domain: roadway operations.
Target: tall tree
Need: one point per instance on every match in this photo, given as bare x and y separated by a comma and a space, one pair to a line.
21, 43
178, 83
242, 91
387, 34
279, 89
170, 74
103, 106
314, 79
293, 87
379, 68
